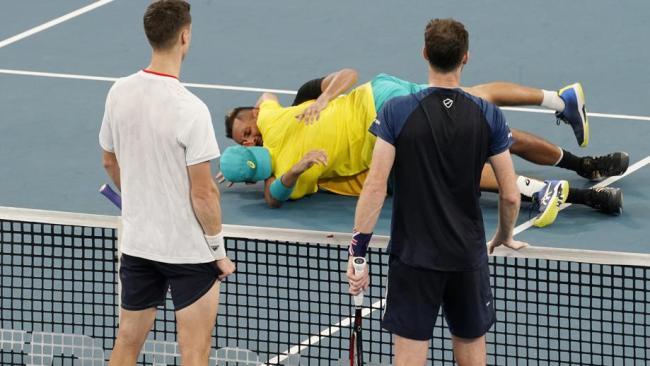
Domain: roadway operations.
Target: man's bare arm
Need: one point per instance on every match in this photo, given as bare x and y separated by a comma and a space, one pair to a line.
332, 86
338, 82
369, 206
374, 189
112, 167
207, 208
205, 198
509, 200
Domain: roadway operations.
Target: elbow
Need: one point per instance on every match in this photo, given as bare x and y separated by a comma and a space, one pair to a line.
205, 194
352, 74
109, 164
271, 202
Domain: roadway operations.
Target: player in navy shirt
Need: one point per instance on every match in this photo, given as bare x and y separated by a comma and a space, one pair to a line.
436, 143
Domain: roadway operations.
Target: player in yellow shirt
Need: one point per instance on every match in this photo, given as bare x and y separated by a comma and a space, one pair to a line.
334, 154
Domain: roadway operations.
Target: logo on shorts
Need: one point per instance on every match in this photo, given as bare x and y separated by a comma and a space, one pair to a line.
377, 122
488, 303
448, 103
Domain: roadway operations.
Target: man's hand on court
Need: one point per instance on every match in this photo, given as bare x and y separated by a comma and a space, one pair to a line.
508, 242
226, 267
359, 281
311, 114
310, 159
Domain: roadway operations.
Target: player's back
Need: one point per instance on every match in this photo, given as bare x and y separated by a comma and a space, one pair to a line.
150, 118
442, 139
341, 131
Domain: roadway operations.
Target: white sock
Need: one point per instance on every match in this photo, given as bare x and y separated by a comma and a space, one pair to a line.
561, 156
528, 186
552, 100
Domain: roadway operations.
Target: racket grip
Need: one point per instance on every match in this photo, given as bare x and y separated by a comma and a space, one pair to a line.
359, 264
112, 196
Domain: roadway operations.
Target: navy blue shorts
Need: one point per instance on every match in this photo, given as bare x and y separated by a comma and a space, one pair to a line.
415, 295
145, 282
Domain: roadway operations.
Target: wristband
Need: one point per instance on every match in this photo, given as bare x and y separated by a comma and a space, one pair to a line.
216, 246
359, 244
279, 191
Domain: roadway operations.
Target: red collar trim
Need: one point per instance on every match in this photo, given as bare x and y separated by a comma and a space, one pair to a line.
159, 74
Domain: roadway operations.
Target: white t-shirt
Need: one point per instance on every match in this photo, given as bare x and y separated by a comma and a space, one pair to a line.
157, 128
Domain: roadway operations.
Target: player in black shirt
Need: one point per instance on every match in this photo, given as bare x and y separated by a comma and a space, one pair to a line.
436, 142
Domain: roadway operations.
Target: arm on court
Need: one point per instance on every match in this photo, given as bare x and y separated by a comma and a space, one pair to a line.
509, 200
112, 167
370, 203
270, 201
332, 86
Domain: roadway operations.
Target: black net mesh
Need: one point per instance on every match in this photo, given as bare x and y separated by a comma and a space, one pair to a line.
288, 305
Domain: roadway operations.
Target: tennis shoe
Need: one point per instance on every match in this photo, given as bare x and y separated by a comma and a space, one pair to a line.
606, 199
598, 167
575, 112
547, 201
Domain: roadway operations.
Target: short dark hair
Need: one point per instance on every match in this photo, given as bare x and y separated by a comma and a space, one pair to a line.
232, 116
446, 42
163, 21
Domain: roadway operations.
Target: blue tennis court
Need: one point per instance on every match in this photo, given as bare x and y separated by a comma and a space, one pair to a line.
54, 77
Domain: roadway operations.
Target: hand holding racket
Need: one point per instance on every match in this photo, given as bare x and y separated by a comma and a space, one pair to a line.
357, 274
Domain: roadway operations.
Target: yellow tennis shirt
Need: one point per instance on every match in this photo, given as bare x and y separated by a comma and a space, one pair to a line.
341, 131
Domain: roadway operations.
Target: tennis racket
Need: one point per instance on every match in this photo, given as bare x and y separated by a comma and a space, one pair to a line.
359, 264
112, 196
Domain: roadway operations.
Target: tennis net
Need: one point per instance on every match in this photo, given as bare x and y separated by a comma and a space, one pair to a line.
287, 303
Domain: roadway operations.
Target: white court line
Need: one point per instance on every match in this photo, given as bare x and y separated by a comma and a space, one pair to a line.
285, 91
112, 79
345, 322
53, 22
590, 114
379, 304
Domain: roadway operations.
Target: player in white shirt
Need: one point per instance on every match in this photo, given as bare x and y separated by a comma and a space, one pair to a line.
158, 141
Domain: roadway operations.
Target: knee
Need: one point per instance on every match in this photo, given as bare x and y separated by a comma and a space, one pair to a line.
196, 350
130, 340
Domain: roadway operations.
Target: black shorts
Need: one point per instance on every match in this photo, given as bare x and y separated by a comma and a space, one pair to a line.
415, 295
145, 282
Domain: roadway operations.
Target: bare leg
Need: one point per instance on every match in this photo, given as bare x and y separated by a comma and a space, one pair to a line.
133, 330
469, 352
409, 352
195, 325
507, 94
534, 148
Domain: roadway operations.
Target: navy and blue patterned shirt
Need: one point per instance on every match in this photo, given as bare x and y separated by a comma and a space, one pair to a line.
442, 139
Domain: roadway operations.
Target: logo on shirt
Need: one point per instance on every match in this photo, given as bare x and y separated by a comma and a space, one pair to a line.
448, 103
